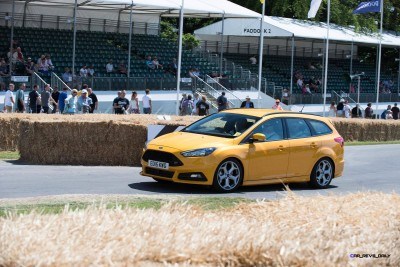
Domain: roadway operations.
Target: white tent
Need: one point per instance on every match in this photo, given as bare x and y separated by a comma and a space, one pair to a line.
286, 27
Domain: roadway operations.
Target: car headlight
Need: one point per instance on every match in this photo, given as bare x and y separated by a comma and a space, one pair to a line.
199, 152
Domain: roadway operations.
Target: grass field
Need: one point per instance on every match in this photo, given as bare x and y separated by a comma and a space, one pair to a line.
291, 231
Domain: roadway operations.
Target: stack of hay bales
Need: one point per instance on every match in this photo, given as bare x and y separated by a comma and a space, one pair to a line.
117, 140
368, 130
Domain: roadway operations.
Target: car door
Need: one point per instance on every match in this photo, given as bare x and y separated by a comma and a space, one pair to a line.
303, 147
269, 159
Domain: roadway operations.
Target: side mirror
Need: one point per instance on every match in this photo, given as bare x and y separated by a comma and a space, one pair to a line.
257, 137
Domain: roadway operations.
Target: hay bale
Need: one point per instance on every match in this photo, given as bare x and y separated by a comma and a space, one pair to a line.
368, 130
82, 143
9, 133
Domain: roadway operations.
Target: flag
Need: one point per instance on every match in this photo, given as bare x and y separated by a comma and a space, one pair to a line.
365, 7
314, 8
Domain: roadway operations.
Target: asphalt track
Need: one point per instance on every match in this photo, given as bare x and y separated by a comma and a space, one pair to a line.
367, 168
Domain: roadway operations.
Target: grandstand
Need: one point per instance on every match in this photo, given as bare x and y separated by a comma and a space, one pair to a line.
98, 47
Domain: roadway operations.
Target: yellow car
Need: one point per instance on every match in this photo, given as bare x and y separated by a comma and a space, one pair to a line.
248, 147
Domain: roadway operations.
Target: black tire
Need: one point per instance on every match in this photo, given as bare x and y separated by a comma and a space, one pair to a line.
228, 176
322, 173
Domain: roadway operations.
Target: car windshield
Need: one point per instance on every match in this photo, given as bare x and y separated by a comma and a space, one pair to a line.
222, 124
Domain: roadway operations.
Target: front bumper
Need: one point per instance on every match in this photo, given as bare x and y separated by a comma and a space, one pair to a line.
194, 170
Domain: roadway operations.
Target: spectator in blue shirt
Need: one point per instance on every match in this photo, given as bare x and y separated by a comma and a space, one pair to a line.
61, 99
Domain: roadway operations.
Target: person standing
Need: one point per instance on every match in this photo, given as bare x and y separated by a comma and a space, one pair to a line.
61, 100
121, 104
356, 112
134, 107
187, 106
222, 102
20, 98
47, 100
202, 107
247, 103
368, 111
395, 112
339, 108
55, 95
9, 99
84, 102
277, 105
71, 103
95, 102
34, 100
332, 110
147, 103
346, 109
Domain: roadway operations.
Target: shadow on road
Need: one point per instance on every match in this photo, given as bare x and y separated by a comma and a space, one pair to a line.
175, 188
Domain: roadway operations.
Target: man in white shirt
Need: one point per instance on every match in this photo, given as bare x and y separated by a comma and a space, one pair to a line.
147, 102
9, 99
83, 72
110, 67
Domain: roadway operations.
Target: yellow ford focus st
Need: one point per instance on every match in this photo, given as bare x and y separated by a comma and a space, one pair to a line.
248, 147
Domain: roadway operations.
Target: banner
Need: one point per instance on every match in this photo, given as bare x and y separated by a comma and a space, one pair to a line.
314, 8
366, 7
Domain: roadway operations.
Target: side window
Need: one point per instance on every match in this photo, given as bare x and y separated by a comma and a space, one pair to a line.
272, 129
320, 127
298, 128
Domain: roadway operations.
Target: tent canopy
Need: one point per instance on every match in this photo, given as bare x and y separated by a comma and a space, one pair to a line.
286, 27
192, 8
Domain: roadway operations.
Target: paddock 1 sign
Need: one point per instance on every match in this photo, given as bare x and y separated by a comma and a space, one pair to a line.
20, 79
248, 30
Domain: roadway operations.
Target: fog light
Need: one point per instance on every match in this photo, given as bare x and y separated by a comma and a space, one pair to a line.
195, 175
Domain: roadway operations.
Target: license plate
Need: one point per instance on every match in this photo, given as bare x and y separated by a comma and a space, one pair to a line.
158, 164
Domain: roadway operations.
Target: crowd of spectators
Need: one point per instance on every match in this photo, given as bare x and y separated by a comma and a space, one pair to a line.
49, 100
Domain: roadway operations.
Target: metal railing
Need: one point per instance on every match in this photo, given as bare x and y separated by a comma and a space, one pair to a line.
39, 81
57, 81
233, 99
206, 88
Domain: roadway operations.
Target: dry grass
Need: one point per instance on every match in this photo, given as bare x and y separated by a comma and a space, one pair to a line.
292, 231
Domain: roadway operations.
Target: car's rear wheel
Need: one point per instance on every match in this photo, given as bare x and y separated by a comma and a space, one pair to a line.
322, 174
228, 176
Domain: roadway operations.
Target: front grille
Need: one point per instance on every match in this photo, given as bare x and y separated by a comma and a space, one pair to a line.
162, 156
161, 173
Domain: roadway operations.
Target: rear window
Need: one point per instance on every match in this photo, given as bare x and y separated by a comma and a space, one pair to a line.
298, 128
320, 128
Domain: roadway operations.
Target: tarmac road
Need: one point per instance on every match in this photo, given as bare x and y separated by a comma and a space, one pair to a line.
367, 168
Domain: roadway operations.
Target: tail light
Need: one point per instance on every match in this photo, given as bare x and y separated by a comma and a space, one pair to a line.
339, 140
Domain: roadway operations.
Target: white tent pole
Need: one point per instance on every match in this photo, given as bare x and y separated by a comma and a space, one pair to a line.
222, 45
292, 67
379, 60
326, 56
129, 46
12, 37
260, 58
351, 62
178, 73
74, 40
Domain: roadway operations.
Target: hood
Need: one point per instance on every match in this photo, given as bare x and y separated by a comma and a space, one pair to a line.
189, 141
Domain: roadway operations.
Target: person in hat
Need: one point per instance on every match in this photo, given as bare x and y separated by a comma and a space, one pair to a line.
277, 105
247, 103
84, 102
339, 108
71, 103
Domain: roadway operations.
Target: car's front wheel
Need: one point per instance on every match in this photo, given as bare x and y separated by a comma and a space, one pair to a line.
228, 176
322, 174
